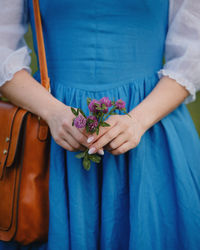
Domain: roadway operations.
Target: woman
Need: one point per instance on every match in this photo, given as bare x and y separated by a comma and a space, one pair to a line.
145, 194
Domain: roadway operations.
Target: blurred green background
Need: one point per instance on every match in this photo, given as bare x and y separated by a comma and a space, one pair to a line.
193, 107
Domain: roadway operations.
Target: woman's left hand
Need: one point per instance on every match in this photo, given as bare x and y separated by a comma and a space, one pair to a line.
123, 134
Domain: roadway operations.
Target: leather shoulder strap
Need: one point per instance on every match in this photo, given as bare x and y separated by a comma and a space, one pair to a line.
40, 44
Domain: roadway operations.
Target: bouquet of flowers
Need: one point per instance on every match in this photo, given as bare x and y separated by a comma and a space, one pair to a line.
99, 110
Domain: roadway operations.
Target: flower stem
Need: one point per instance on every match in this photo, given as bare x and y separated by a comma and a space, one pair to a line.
109, 112
101, 119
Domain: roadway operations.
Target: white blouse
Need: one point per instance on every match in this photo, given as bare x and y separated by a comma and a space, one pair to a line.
182, 47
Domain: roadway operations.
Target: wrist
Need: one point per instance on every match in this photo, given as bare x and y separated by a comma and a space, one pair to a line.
53, 107
143, 119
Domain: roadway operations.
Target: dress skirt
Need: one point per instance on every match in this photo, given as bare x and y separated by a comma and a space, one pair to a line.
147, 198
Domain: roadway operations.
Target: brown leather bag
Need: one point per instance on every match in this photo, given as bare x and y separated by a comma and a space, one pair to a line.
24, 165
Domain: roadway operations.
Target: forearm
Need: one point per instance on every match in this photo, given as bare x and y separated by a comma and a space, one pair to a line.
164, 98
24, 91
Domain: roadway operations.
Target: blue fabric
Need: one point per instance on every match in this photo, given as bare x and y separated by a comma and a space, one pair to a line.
149, 197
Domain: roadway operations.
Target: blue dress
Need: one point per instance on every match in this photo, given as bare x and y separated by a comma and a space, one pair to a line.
149, 197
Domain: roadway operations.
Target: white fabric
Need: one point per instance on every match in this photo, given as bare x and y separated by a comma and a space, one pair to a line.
182, 51
182, 47
14, 52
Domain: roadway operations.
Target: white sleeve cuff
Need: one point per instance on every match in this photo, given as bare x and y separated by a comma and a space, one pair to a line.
16, 61
182, 81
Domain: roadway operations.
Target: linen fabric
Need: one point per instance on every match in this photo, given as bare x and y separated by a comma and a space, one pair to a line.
147, 198
182, 50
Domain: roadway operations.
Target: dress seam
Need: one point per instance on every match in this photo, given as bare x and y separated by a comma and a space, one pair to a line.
104, 87
95, 43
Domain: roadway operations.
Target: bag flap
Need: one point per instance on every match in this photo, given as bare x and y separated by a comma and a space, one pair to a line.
11, 118
15, 133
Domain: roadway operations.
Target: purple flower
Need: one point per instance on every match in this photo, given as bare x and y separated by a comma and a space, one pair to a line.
92, 106
92, 124
120, 104
105, 110
106, 101
80, 121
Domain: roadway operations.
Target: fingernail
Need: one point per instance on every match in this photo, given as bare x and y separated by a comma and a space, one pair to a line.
91, 138
91, 150
101, 151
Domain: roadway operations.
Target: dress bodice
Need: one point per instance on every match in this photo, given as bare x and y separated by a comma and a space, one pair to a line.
103, 41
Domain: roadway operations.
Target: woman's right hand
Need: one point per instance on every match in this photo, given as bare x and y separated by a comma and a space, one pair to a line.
24, 91
67, 136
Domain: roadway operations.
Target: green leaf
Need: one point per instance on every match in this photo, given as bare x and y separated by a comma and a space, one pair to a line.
87, 129
95, 158
86, 163
80, 155
98, 108
88, 100
105, 124
81, 111
90, 120
127, 114
74, 111
73, 122
97, 130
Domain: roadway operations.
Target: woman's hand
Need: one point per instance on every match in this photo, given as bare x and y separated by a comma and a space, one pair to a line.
24, 91
123, 134
67, 136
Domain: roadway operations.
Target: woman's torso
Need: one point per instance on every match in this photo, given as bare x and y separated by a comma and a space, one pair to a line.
98, 42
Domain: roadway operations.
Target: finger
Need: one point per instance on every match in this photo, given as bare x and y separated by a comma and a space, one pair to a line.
83, 131
100, 151
73, 142
121, 149
116, 142
105, 139
64, 144
102, 130
81, 138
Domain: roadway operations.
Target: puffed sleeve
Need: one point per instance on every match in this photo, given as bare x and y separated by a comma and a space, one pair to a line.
182, 50
14, 53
